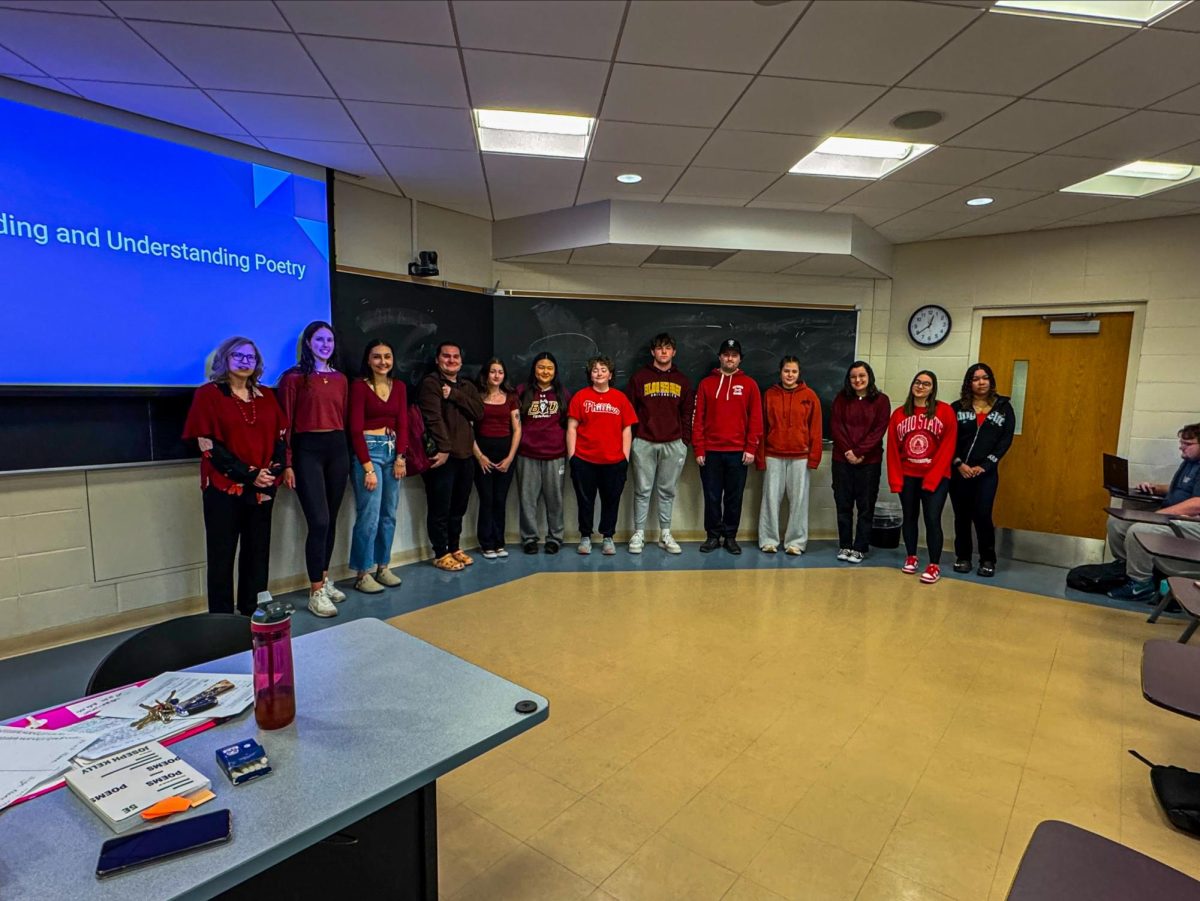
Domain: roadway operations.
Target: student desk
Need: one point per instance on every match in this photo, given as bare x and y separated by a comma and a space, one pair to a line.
1171, 676
1152, 517
1183, 590
1171, 547
380, 715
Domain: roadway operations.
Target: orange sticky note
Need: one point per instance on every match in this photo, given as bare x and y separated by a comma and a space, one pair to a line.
166, 807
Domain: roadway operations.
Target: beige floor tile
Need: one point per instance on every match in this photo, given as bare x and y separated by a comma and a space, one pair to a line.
590, 839
979, 774
661, 869
600, 895
769, 789
800, 867
522, 802
523, 875
971, 817
647, 794
926, 854
476, 775
745, 890
844, 820
884, 885
467, 845
720, 830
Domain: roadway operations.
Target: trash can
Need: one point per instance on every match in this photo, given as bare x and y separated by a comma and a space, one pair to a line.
885, 527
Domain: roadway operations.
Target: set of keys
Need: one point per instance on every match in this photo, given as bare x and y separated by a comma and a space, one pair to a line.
168, 709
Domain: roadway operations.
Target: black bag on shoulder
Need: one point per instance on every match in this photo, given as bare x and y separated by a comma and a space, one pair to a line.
1097, 578
1178, 792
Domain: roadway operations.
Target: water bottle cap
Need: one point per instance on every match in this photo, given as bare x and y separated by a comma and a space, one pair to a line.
271, 611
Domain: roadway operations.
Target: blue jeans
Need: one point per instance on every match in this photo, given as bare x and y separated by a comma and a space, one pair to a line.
375, 520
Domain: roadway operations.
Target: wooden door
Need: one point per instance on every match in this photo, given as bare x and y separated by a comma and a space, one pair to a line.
1051, 480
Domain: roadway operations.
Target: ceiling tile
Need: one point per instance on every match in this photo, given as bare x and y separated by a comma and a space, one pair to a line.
1186, 18
926, 221
550, 256
236, 59
903, 195
957, 165
994, 225
1184, 102
1011, 54
1002, 199
792, 106
78, 7
906, 234
1127, 210
227, 13
1189, 154
413, 126
584, 29
381, 183
704, 201
755, 150
659, 96
600, 181
870, 215
787, 205
1062, 206
869, 41
42, 81
520, 185
189, 107
961, 111
731, 37
810, 190
399, 73
734, 183
437, 176
84, 47
1036, 125
280, 116
11, 64
1189, 193
1049, 172
611, 255
1143, 134
1143, 69
356, 159
761, 261
413, 21
535, 83
630, 142
833, 264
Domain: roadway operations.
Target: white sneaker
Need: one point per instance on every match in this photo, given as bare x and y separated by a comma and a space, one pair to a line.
607, 548
668, 543
855, 557
843, 554
501, 553
489, 555
769, 549
320, 605
637, 541
334, 593
585, 545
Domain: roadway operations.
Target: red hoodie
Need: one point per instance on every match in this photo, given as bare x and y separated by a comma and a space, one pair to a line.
791, 425
728, 414
921, 446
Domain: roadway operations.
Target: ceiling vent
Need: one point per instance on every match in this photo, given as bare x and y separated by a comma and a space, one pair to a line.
691, 259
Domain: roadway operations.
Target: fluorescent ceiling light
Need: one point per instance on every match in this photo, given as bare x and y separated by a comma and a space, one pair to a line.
1109, 12
1137, 179
839, 157
533, 134
629, 178
979, 201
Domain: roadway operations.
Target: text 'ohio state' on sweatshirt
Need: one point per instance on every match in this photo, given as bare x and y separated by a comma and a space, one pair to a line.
728, 414
921, 446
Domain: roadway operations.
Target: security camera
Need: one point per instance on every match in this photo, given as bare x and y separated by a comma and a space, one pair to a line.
425, 266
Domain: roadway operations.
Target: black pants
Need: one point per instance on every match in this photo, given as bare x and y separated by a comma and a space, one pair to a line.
973, 500
723, 476
606, 478
855, 485
447, 493
493, 491
230, 521
915, 500
321, 461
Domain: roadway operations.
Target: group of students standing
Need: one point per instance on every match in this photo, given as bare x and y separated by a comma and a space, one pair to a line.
461, 433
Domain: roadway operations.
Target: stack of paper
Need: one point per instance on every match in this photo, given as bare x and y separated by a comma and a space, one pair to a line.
29, 757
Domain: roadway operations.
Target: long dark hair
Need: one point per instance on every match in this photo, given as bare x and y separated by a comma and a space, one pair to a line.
364, 370
930, 402
848, 391
481, 380
968, 394
308, 361
556, 385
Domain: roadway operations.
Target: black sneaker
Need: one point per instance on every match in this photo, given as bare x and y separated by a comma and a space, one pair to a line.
962, 566
552, 546
710, 544
530, 547
987, 570
732, 546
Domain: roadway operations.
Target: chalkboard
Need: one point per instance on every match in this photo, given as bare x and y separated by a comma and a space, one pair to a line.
576, 329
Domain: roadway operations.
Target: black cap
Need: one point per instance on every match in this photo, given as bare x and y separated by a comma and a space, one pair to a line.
730, 344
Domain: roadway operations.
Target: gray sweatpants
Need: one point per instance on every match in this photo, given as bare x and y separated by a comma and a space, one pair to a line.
657, 466
785, 477
1139, 564
541, 480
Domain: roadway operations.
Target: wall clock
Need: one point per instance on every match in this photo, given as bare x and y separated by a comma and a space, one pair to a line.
929, 325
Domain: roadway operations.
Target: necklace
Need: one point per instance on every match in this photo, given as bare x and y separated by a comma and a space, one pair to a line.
241, 408
324, 374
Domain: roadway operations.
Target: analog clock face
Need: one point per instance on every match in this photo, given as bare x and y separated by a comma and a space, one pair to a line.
929, 325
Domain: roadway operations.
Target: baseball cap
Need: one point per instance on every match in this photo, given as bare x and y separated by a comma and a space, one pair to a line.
730, 345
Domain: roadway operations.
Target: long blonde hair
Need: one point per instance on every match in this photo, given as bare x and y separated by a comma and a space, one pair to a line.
219, 365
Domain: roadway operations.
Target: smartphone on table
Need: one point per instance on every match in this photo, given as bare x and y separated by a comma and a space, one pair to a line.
126, 852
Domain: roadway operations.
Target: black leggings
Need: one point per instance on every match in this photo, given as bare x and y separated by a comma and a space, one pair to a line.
973, 500
915, 500
321, 461
493, 492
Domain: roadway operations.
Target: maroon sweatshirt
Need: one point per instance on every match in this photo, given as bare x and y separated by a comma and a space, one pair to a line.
663, 401
543, 423
859, 425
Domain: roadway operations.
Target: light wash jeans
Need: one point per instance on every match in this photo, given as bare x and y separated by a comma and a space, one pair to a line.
657, 466
375, 511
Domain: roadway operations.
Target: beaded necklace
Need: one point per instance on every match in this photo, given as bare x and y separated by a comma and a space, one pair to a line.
242, 404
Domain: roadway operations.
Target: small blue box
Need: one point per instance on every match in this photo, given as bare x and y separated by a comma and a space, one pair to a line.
244, 761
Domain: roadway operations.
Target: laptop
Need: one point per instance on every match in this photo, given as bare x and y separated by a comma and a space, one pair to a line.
1116, 479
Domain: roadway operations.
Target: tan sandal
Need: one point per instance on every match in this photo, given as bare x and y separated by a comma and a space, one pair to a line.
448, 563
463, 558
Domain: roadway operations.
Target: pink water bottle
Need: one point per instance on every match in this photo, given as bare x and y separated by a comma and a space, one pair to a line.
274, 679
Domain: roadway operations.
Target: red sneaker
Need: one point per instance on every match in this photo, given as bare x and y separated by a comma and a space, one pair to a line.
932, 573
910, 565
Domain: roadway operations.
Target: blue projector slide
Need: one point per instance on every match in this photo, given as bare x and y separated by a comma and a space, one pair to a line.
126, 259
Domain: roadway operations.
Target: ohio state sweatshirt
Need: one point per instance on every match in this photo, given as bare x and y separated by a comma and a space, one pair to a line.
921, 446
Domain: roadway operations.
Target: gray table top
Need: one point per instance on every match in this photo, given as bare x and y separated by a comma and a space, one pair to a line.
379, 714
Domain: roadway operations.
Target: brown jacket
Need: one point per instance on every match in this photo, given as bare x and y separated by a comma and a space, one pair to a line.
450, 420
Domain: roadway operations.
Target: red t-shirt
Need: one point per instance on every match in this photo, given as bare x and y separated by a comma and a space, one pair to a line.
602, 417
497, 419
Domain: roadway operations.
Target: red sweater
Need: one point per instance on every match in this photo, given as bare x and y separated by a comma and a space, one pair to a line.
663, 401
858, 425
315, 404
791, 425
728, 414
249, 438
366, 411
921, 446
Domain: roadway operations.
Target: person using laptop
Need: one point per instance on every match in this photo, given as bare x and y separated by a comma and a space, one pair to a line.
1179, 496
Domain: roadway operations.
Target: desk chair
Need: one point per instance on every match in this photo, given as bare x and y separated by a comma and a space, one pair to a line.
1184, 592
173, 645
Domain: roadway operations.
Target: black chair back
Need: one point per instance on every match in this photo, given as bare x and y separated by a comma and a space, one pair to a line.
173, 645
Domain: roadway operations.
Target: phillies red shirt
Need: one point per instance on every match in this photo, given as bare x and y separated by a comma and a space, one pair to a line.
602, 417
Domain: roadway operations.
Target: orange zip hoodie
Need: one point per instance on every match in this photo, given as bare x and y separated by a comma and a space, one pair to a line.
791, 425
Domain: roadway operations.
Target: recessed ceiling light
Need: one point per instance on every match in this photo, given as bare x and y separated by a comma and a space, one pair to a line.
1137, 179
1131, 13
533, 134
629, 178
979, 201
839, 157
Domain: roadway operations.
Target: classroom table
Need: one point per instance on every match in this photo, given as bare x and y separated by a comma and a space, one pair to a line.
380, 715
1171, 676
1151, 517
